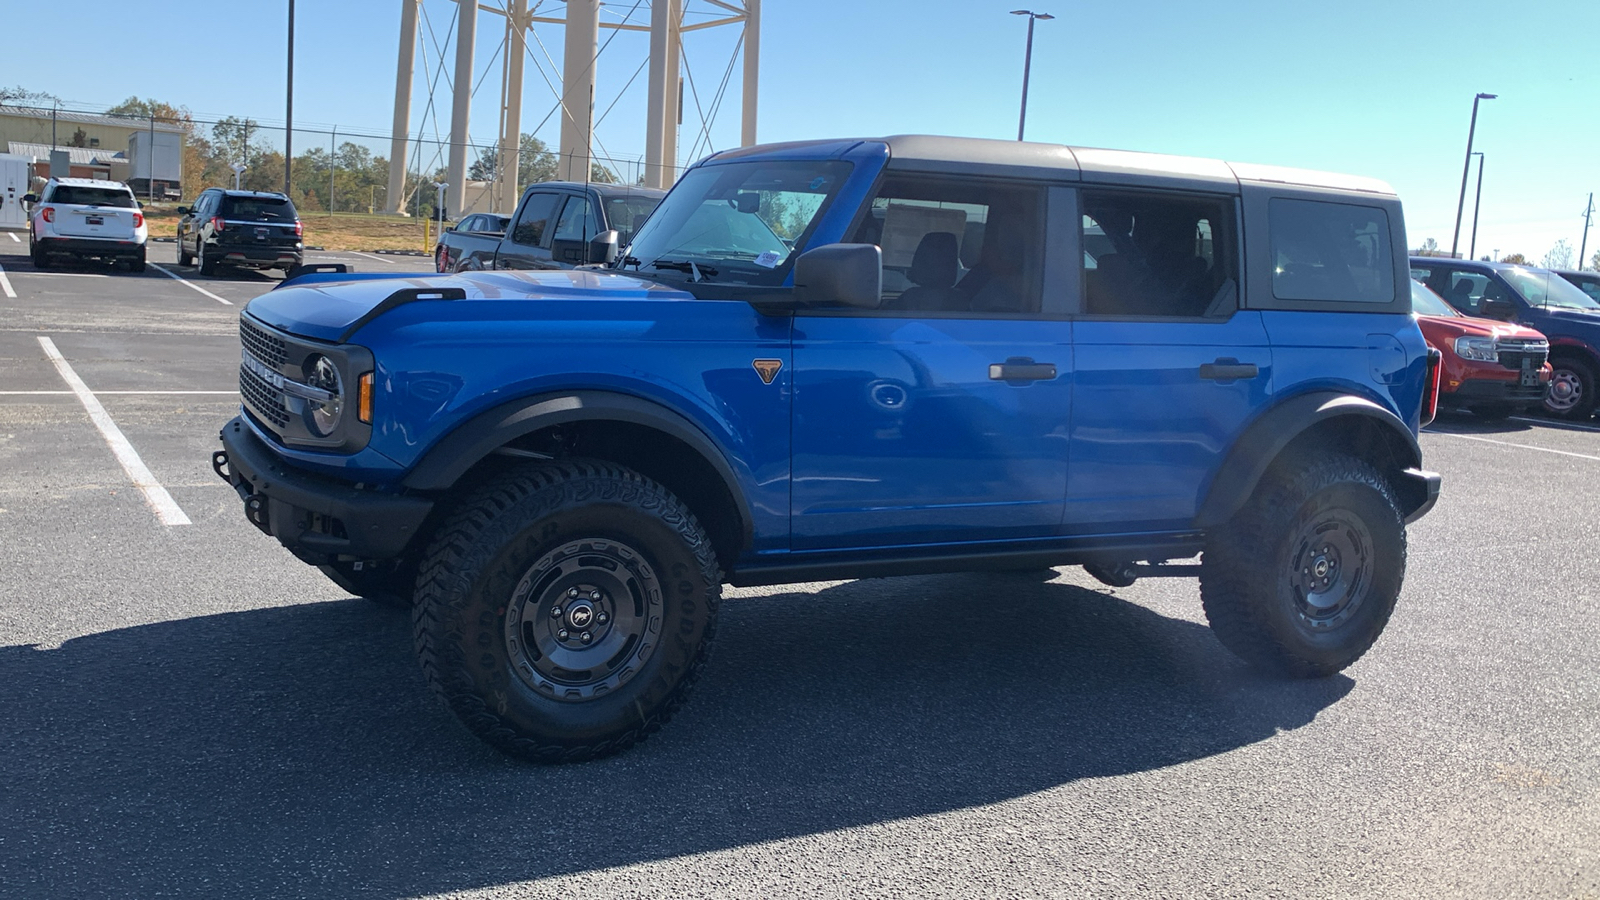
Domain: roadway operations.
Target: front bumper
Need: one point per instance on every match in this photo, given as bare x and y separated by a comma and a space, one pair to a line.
1487, 390
91, 247
319, 519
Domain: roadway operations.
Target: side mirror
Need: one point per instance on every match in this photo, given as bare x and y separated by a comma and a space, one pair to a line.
183, 210
603, 247
30, 198
1497, 309
840, 274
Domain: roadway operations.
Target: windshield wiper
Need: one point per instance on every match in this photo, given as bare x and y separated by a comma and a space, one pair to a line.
694, 271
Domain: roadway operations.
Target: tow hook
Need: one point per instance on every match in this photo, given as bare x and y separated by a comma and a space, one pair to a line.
219, 465
255, 509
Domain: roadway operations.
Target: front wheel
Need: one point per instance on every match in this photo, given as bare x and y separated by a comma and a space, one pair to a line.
184, 258
1572, 389
565, 610
1305, 577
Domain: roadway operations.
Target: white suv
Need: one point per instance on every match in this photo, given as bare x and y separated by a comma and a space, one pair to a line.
82, 217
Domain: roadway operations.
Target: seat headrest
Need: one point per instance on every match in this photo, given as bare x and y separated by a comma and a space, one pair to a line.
935, 262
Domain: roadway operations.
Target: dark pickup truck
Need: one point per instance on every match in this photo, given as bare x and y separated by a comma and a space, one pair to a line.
557, 225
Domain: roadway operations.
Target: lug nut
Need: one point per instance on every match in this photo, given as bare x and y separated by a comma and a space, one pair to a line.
594, 595
555, 612
562, 634
587, 637
572, 593
604, 618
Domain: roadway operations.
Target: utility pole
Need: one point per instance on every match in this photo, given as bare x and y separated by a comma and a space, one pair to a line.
1027, 65
150, 173
288, 117
1477, 203
1588, 216
333, 162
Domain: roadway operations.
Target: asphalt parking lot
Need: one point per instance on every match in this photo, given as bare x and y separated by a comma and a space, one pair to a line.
185, 710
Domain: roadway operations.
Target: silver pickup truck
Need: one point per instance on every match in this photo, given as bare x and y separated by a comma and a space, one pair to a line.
557, 225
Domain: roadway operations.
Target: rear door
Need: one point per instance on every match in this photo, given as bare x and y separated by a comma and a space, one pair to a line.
942, 415
1169, 369
527, 244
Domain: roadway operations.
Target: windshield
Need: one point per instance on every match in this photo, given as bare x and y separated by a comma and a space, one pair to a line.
1425, 302
1542, 288
737, 223
93, 196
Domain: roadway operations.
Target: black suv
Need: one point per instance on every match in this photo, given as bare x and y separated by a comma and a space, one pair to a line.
254, 229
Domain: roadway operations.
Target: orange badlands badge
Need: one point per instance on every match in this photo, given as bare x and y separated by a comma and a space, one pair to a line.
767, 368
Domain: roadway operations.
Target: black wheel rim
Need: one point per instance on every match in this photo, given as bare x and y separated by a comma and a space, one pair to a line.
584, 619
1331, 569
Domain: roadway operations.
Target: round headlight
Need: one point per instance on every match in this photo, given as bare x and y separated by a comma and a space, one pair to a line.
325, 415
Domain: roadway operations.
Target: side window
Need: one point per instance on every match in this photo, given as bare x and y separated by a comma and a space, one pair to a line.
1159, 255
572, 226
1331, 252
1592, 288
532, 228
957, 245
469, 224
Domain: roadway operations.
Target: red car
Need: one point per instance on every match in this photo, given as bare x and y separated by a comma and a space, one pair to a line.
1490, 367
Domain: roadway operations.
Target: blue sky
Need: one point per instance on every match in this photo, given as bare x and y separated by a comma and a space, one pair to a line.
1374, 88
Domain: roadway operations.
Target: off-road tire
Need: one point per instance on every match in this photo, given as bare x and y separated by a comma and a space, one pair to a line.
1251, 569
386, 584
501, 564
208, 265
1582, 378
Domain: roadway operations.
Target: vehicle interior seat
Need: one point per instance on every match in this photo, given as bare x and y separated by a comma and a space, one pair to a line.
934, 267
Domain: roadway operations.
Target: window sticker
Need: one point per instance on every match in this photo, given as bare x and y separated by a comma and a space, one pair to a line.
768, 259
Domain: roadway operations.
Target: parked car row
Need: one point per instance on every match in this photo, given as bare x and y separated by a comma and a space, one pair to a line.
557, 225
1500, 297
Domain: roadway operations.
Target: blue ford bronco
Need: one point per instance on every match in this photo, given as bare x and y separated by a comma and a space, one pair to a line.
846, 359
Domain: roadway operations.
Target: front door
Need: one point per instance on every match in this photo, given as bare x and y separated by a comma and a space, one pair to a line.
941, 416
527, 243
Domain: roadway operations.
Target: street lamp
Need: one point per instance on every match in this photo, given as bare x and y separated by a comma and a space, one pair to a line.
1477, 203
1027, 64
1455, 239
238, 169
439, 187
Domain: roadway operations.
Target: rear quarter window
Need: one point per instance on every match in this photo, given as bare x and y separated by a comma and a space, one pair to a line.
1330, 252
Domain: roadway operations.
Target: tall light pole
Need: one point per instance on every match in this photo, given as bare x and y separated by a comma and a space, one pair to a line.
1455, 239
288, 115
1477, 203
1027, 65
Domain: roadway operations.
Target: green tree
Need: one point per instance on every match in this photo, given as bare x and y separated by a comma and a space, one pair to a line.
21, 96
1516, 259
1560, 256
535, 162
1430, 247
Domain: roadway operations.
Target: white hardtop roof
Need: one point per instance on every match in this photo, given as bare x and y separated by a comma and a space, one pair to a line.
1040, 159
91, 182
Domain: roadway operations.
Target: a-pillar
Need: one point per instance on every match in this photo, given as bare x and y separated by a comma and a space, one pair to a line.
661, 118
456, 169
511, 117
394, 201
577, 88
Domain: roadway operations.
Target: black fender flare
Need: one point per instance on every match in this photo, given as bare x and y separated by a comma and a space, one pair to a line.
444, 464
1261, 442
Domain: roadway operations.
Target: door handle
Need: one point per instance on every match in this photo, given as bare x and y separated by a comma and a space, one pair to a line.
1228, 369
1021, 369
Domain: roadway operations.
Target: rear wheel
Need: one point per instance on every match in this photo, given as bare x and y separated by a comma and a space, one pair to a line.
40, 259
1572, 389
184, 258
136, 264
566, 609
208, 264
1305, 577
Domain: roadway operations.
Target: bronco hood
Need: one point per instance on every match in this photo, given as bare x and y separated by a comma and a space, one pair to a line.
328, 309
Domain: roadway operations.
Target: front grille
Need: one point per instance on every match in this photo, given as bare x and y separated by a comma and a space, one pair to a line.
262, 398
264, 346
1513, 354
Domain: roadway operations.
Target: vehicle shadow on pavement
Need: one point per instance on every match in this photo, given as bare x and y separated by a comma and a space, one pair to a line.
295, 751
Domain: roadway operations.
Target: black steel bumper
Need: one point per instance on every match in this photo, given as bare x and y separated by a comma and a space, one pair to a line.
91, 247
317, 518
1421, 489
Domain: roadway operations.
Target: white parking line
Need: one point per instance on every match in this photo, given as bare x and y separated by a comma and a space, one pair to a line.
187, 283
5, 284
1473, 437
387, 262
62, 274
167, 509
14, 236
106, 393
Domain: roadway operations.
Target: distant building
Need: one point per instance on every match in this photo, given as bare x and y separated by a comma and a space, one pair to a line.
110, 147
